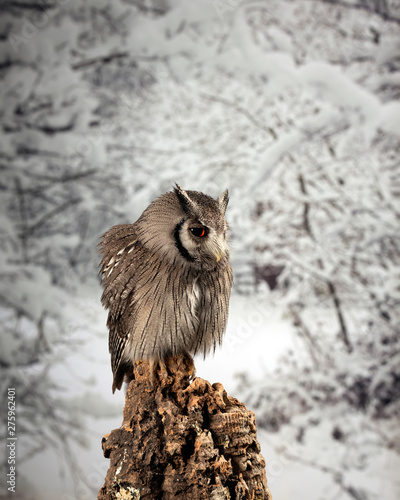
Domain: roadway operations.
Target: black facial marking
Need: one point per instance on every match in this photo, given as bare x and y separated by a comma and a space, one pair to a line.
182, 250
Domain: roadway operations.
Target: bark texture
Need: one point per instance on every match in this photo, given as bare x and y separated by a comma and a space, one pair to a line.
182, 440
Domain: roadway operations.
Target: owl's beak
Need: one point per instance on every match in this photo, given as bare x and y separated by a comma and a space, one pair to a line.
217, 248
218, 255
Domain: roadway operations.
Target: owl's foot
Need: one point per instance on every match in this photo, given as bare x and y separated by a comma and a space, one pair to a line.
158, 370
164, 374
165, 371
184, 365
187, 363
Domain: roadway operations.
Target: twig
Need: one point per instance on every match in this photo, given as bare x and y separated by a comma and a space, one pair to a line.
34, 227
240, 109
23, 218
102, 59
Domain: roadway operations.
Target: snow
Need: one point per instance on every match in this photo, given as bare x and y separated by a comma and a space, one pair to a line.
256, 337
292, 106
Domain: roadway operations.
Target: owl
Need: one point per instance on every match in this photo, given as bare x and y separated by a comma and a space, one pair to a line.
167, 281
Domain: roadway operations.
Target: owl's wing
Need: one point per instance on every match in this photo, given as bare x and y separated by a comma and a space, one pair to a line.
118, 248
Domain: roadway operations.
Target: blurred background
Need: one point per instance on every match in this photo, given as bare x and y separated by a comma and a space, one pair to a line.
291, 105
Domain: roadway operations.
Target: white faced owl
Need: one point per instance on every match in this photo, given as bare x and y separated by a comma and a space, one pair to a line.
167, 280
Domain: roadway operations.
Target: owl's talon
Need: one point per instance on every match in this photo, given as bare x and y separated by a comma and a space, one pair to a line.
163, 370
153, 372
191, 367
158, 370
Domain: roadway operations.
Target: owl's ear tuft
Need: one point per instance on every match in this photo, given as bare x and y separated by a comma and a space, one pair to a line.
186, 202
223, 201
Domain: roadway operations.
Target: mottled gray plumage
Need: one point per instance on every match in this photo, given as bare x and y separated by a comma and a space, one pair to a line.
166, 282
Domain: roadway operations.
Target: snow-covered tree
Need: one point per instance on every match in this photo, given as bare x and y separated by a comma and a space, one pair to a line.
291, 105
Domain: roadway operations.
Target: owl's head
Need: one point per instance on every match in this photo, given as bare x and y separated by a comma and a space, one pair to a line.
201, 234
187, 227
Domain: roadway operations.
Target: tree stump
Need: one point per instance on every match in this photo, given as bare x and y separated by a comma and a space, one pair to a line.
182, 440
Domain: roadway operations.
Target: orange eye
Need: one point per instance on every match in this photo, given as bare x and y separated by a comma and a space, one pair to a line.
199, 232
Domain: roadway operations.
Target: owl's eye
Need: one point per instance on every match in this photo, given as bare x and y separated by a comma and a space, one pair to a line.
199, 232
